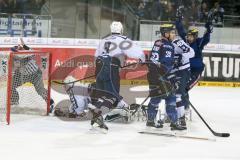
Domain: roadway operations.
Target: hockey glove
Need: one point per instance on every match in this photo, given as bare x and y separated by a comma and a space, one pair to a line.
209, 27
177, 61
179, 12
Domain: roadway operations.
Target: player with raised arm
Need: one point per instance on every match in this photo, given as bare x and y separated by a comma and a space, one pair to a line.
197, 43
161, 80
110, 56
183, 53
26, 70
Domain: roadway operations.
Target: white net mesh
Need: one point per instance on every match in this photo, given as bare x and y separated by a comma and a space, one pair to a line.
29, 83
4, 59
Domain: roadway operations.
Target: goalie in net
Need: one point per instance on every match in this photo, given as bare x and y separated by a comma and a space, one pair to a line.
26, 70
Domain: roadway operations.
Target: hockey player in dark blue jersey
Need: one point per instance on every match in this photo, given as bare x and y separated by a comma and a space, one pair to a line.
160, 85
197, 43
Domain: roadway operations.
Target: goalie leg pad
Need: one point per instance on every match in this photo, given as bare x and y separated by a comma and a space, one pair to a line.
37, 80
17, 81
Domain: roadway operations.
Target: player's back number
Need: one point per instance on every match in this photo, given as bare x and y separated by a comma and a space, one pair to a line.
111, 46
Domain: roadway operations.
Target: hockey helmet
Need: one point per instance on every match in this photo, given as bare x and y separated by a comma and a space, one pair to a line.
166, 28
116, 27
193, 31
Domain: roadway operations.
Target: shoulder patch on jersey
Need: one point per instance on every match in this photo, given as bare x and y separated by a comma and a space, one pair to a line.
158, 42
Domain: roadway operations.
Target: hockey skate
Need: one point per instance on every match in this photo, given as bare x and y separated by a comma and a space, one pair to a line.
98, 119
157, 124
182, 121
177, 126
110, 118
124, 114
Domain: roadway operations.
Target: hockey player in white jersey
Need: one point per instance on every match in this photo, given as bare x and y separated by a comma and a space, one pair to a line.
110, 57
182, 54
79, 102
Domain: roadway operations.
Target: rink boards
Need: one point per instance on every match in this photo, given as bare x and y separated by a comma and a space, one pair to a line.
76, 57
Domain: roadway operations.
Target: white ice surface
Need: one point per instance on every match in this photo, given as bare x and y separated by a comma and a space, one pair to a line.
43, 138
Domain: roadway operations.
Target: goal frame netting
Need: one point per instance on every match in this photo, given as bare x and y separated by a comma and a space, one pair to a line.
9, 79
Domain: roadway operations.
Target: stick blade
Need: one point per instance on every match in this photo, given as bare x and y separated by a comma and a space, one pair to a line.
226, 135
222, 134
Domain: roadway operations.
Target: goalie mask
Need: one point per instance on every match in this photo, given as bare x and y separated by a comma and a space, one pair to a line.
116, 27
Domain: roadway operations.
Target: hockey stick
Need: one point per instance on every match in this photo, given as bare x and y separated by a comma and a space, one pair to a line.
128, 65
213, 132
64, 83
176, 135
131, 64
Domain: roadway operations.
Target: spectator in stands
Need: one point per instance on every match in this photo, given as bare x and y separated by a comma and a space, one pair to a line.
5, 6
156, 10
194, 8
141, 9
169, 13
148, 10
39, 4
9, 6
45, 9
203, 11
219, 13
30, 6
2, 6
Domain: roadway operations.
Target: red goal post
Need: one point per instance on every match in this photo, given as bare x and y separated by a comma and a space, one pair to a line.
25, 83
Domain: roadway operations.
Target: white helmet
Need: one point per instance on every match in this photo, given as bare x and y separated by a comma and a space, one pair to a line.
116, 27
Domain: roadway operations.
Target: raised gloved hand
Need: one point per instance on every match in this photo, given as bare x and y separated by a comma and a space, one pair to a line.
179, 12
209, 27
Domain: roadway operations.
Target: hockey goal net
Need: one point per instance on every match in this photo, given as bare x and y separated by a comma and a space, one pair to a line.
24, 83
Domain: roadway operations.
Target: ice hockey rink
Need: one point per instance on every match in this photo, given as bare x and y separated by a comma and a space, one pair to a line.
46, 137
